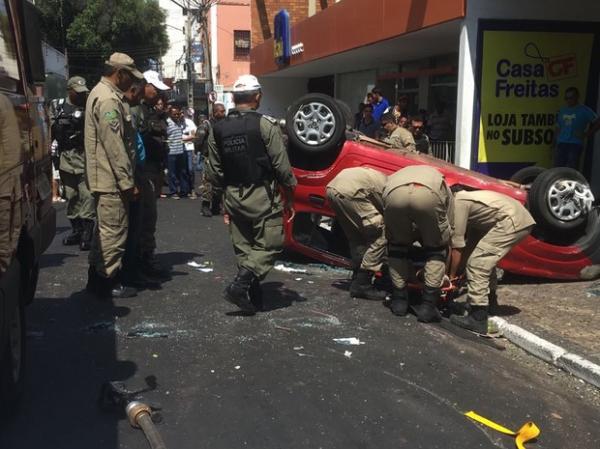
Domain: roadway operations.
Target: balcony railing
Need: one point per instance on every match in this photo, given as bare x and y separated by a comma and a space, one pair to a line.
443, 149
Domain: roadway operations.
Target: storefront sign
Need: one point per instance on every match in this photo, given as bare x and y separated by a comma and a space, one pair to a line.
524, 75
282, 39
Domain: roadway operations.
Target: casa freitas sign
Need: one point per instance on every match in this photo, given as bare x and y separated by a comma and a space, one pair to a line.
524, 76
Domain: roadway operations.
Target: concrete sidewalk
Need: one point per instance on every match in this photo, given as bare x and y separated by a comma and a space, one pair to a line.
554, 321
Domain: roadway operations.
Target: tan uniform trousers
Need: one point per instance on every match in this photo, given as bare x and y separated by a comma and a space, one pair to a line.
481, 265
407, 207
473, 238
363, 225
110, 235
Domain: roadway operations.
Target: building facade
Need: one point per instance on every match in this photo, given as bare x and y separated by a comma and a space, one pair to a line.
230, 40
497, 69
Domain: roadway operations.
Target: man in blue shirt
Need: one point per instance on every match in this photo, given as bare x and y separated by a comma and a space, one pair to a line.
575, 123
368, 125
380, 104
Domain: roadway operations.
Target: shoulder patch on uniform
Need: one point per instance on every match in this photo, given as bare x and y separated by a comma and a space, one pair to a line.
111, 115
271, 119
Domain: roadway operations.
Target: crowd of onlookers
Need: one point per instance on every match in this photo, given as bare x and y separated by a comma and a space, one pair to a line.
376, 112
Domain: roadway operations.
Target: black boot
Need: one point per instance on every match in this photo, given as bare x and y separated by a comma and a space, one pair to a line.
107, 288
238, 292
206, 210
427, 311
75, 236
476, 320
118, 290
399, 303
361, 287
256, 294
86, 235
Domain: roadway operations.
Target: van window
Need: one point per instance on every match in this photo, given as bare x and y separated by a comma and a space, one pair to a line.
9, 65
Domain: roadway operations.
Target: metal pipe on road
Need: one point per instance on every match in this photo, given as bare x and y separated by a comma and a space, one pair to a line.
140, 416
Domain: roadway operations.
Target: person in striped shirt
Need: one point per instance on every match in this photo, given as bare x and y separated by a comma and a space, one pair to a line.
177, 165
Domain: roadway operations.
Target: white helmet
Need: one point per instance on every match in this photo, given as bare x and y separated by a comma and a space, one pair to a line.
246, 83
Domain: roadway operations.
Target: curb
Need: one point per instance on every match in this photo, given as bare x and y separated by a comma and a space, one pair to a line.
549, 352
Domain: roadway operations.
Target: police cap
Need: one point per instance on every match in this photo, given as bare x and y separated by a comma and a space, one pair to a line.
77, 83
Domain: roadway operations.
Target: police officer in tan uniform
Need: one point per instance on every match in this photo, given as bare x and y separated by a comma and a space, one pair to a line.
110, 160
248, 160
417, 206
398, 137
355, 196
503, 222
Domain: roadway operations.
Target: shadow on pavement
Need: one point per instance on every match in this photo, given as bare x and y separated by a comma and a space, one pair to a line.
505, 310
173, 259
277, 296
70, 356
55, 259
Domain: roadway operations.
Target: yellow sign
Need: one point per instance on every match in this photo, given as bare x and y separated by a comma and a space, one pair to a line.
524, 76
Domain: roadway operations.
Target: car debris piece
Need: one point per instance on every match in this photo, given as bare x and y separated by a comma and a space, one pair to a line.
349, 341
289, 269
348, 354
529, 431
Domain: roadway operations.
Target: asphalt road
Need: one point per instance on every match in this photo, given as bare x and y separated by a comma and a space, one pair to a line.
274, 380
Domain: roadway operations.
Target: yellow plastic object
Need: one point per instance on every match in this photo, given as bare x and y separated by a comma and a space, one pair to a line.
527, 432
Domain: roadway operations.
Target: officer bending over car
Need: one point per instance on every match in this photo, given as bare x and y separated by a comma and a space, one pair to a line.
417, 206
68, 117
355, 195
248, 160
494, 224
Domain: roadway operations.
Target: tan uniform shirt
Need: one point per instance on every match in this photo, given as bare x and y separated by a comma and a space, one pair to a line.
482, 209
416, 174
361, 182
109, 140
425, 176
401, 138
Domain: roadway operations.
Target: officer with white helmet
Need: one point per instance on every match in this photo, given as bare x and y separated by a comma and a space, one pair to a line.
247, 159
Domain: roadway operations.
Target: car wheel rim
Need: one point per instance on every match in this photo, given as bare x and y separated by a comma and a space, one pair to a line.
14, 340
314, 123
569, 200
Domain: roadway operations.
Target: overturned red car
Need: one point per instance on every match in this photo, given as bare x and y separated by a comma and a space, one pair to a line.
565, 243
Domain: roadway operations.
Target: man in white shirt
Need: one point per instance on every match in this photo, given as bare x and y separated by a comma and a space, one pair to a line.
189, 135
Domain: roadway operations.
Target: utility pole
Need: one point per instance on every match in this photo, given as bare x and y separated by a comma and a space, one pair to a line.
202, 10
188, 51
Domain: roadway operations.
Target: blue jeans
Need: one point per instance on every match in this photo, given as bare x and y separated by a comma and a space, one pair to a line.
191, 169
568, 154
177, 165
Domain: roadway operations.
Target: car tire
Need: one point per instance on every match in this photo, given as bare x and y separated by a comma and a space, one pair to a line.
547, 205
12, 369
316, 125
527, 175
